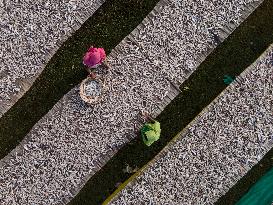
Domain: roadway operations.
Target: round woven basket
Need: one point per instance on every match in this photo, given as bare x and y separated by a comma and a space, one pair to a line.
96, 94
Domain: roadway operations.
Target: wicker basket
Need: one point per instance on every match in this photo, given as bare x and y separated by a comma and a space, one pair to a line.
87, 85
101, 70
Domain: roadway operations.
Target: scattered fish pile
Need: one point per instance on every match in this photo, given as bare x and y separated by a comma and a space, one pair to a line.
31, 32
216, 149
74, 140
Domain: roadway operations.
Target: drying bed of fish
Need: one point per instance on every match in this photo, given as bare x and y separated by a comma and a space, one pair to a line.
178, 35
31, 32
68, 145
74, 139
216, 149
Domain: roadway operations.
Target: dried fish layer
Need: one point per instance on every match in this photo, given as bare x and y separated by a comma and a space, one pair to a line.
31, 32
216, 149
74, 140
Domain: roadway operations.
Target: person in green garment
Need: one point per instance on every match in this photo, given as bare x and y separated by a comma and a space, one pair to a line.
150, 132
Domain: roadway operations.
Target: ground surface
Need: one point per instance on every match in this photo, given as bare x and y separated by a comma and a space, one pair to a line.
142, 53
31, 32
216, 149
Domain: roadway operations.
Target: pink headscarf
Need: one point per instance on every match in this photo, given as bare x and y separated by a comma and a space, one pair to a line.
94, 57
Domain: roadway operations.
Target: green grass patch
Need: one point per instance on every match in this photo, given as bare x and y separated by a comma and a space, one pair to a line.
233, 56
114, 20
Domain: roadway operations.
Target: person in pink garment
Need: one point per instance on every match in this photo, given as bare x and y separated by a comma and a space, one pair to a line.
94, 57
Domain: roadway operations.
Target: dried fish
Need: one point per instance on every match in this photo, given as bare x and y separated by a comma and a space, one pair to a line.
79, 139
31, 32
218, 148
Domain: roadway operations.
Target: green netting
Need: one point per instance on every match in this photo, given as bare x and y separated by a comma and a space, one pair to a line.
261, 193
